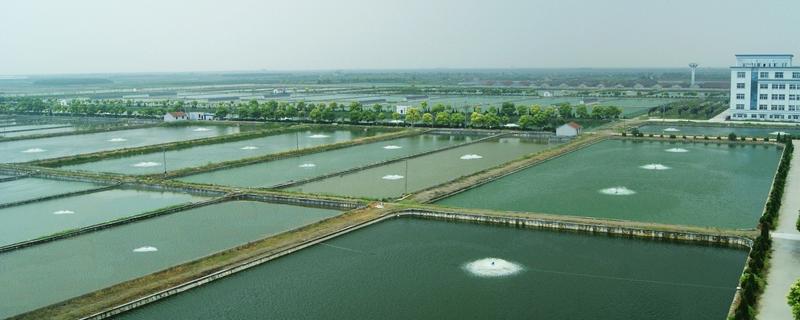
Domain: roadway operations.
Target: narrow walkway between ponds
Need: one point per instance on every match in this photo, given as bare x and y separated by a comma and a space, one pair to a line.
785, 262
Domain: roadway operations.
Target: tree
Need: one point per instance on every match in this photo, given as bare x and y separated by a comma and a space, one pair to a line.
438, 108
476, 119
582, 112
565, 111
413, 116
427, 118
457, 119
315, 114
525, 121
522, 110
508, 108
442, 119
794, 299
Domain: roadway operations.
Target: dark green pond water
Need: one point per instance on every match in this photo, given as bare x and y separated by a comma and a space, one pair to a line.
32, 188
296, 168
708, 185
425, 171
44, 274
669, 129
197, 156
39, 219
415, 269
43, 148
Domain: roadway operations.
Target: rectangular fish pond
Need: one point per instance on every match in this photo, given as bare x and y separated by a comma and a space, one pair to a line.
41, 275
411, 268
426, 171
32, 188
53, 147
197, 156
720, 131
38, 219
710, 185
267, 174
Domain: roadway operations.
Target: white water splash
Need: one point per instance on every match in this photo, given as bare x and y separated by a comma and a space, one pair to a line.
492, 267
201, 129
117, 140
145, 249
672, 130
677, 150
392, 147
655, 166
307, 165
318, 136
783, 133
471, 157
60, 212
146, 164
617, 191
249, 148
392, 177
34, 150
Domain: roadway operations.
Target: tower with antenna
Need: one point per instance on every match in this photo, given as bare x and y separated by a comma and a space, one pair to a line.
694, 68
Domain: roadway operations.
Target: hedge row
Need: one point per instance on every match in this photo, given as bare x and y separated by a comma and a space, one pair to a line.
752, 282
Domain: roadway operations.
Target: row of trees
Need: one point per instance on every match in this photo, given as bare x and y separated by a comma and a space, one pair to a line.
752, 281
439, 115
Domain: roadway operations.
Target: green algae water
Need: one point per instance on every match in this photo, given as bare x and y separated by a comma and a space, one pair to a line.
30, 221
426, 171
44, 148
712, 185
724, 131
32, 188
271, 173
48, 273
420, 269
192, 157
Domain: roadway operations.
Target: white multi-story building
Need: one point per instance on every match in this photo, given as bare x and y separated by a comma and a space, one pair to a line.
765, 87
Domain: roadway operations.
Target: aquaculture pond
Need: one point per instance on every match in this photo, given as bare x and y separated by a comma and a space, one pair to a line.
691, 130
32, 188
418, 269
714, 185
38, 219
10, 134
271, 173
40, 275
394, 179
201, 155
43, 148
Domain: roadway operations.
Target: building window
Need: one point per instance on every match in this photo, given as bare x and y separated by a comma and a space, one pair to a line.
761, 116
793, 87
795, 75
778, 96
792, 107
753, 115
794, 97
740, 75
763, 96
740, 96
777, 107
763, 75
762, 107
740, 86
778, 75
740, 106
763, 86
778, 86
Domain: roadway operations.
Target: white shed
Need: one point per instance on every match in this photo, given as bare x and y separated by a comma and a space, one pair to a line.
175, 116
401, 109
569, 130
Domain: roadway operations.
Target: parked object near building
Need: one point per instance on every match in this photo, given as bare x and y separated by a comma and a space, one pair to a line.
765, 87
194, 116
570, 129
401, 109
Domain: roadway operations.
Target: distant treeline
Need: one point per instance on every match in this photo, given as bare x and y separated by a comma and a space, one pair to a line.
698, 109
71, 81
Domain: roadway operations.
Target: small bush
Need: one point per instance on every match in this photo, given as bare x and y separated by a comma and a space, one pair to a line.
732, 136
672, 136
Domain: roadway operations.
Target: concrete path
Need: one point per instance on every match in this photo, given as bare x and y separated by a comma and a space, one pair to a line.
785, 262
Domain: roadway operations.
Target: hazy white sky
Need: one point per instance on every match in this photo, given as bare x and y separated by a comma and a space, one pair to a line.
88, 36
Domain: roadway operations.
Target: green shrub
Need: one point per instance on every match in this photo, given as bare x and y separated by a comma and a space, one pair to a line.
732, 136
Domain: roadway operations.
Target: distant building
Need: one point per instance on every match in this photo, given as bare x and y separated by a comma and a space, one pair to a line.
765, 87
546, 94
200, 116
175, 116
401, 109
569, 130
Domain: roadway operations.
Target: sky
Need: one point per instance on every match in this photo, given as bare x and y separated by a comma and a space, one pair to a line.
105, 36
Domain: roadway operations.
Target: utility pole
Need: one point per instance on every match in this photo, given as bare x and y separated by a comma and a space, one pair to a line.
297, 140
164, 153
